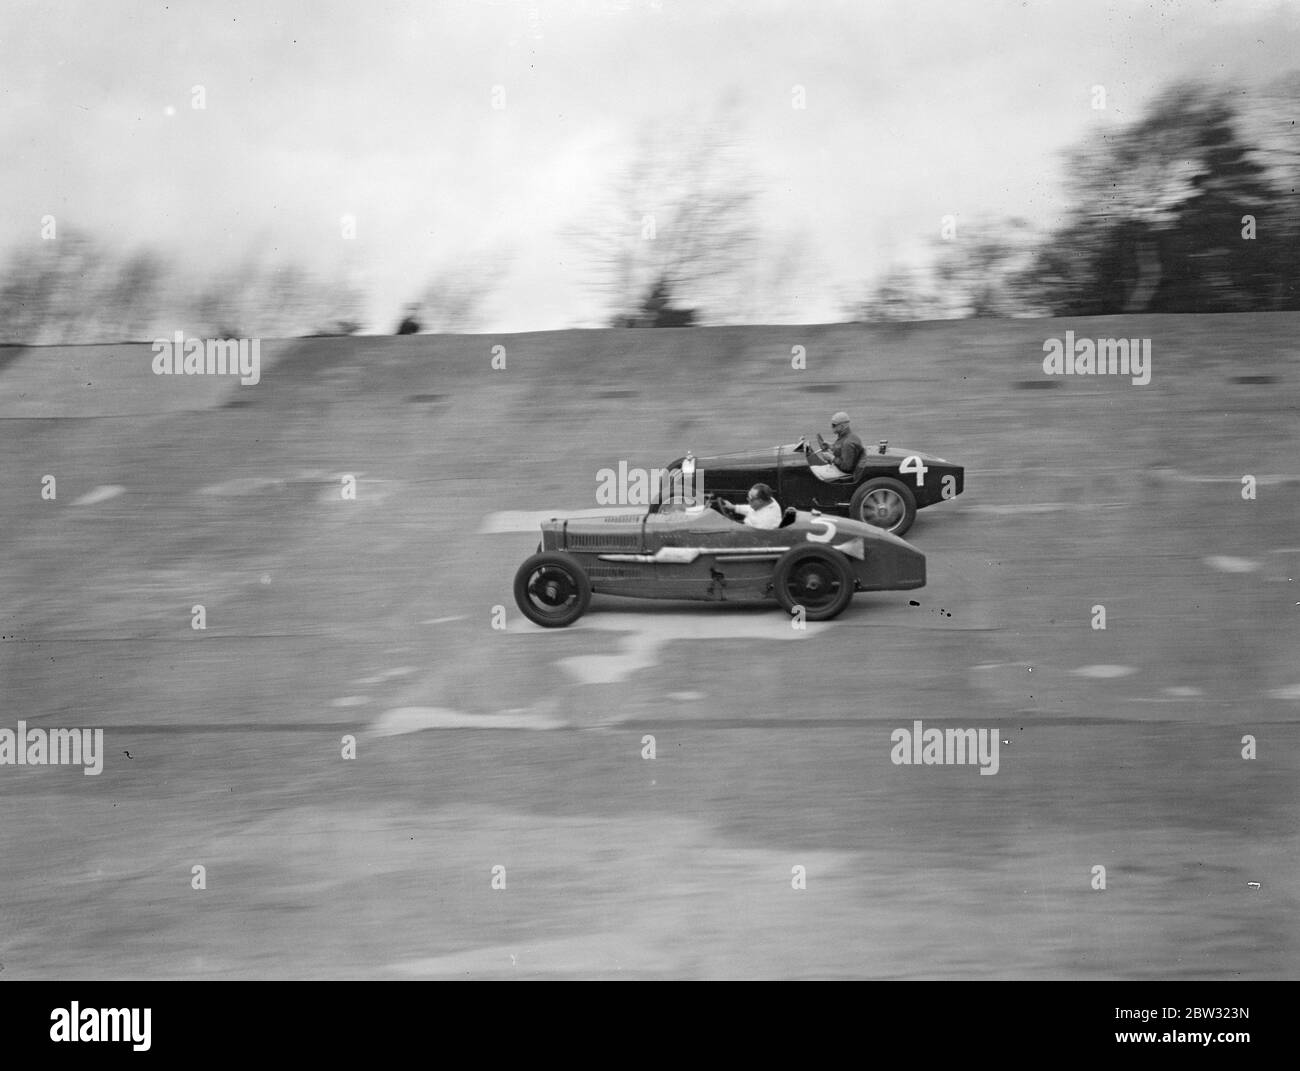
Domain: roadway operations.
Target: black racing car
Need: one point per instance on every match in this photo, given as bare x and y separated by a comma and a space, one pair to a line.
886, 488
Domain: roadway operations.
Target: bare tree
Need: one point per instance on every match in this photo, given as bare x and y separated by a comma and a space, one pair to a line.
130, 302
901, 295
275, 300
454, 296
53, 294
675, 227
73, 290
978, 272
225, 304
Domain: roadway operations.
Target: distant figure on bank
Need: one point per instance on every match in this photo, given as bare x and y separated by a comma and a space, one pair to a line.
410, 325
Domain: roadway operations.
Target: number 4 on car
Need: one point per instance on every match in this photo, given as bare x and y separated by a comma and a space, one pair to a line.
885, 489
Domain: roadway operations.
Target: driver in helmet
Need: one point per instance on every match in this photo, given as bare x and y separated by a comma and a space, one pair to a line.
839, 458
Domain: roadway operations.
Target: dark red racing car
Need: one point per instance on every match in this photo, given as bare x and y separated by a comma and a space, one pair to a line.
811, 564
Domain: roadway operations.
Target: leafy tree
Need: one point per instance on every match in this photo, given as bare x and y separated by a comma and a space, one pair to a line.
1158, 217
1270, 119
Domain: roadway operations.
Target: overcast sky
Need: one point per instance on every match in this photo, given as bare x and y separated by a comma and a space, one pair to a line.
384, 110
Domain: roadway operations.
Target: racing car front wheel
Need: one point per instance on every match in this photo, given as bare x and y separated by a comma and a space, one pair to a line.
552, 589
884, 503
814, 578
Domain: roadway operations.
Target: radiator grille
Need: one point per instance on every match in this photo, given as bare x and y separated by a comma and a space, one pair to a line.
603, 541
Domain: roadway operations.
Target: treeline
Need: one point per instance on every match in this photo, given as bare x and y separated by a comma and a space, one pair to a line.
72, 288
1192, 208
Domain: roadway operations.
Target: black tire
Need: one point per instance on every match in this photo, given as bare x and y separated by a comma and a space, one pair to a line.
552, 589
884, 503
815, 578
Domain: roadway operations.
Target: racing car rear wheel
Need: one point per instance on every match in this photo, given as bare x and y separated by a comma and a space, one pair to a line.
552, 589
814, 578
884, 503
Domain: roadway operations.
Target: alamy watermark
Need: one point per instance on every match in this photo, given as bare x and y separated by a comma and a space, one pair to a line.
1099, 357
76, 1023
53, 747
181, 356
629, 486
954, 747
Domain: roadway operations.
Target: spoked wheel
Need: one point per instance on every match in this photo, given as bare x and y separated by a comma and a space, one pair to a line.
884, 503
552, 589
817, 579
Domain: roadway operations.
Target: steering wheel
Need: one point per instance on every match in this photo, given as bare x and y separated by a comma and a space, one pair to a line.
718, 503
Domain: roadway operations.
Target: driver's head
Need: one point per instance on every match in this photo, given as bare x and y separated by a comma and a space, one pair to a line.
840, 423
760, 495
